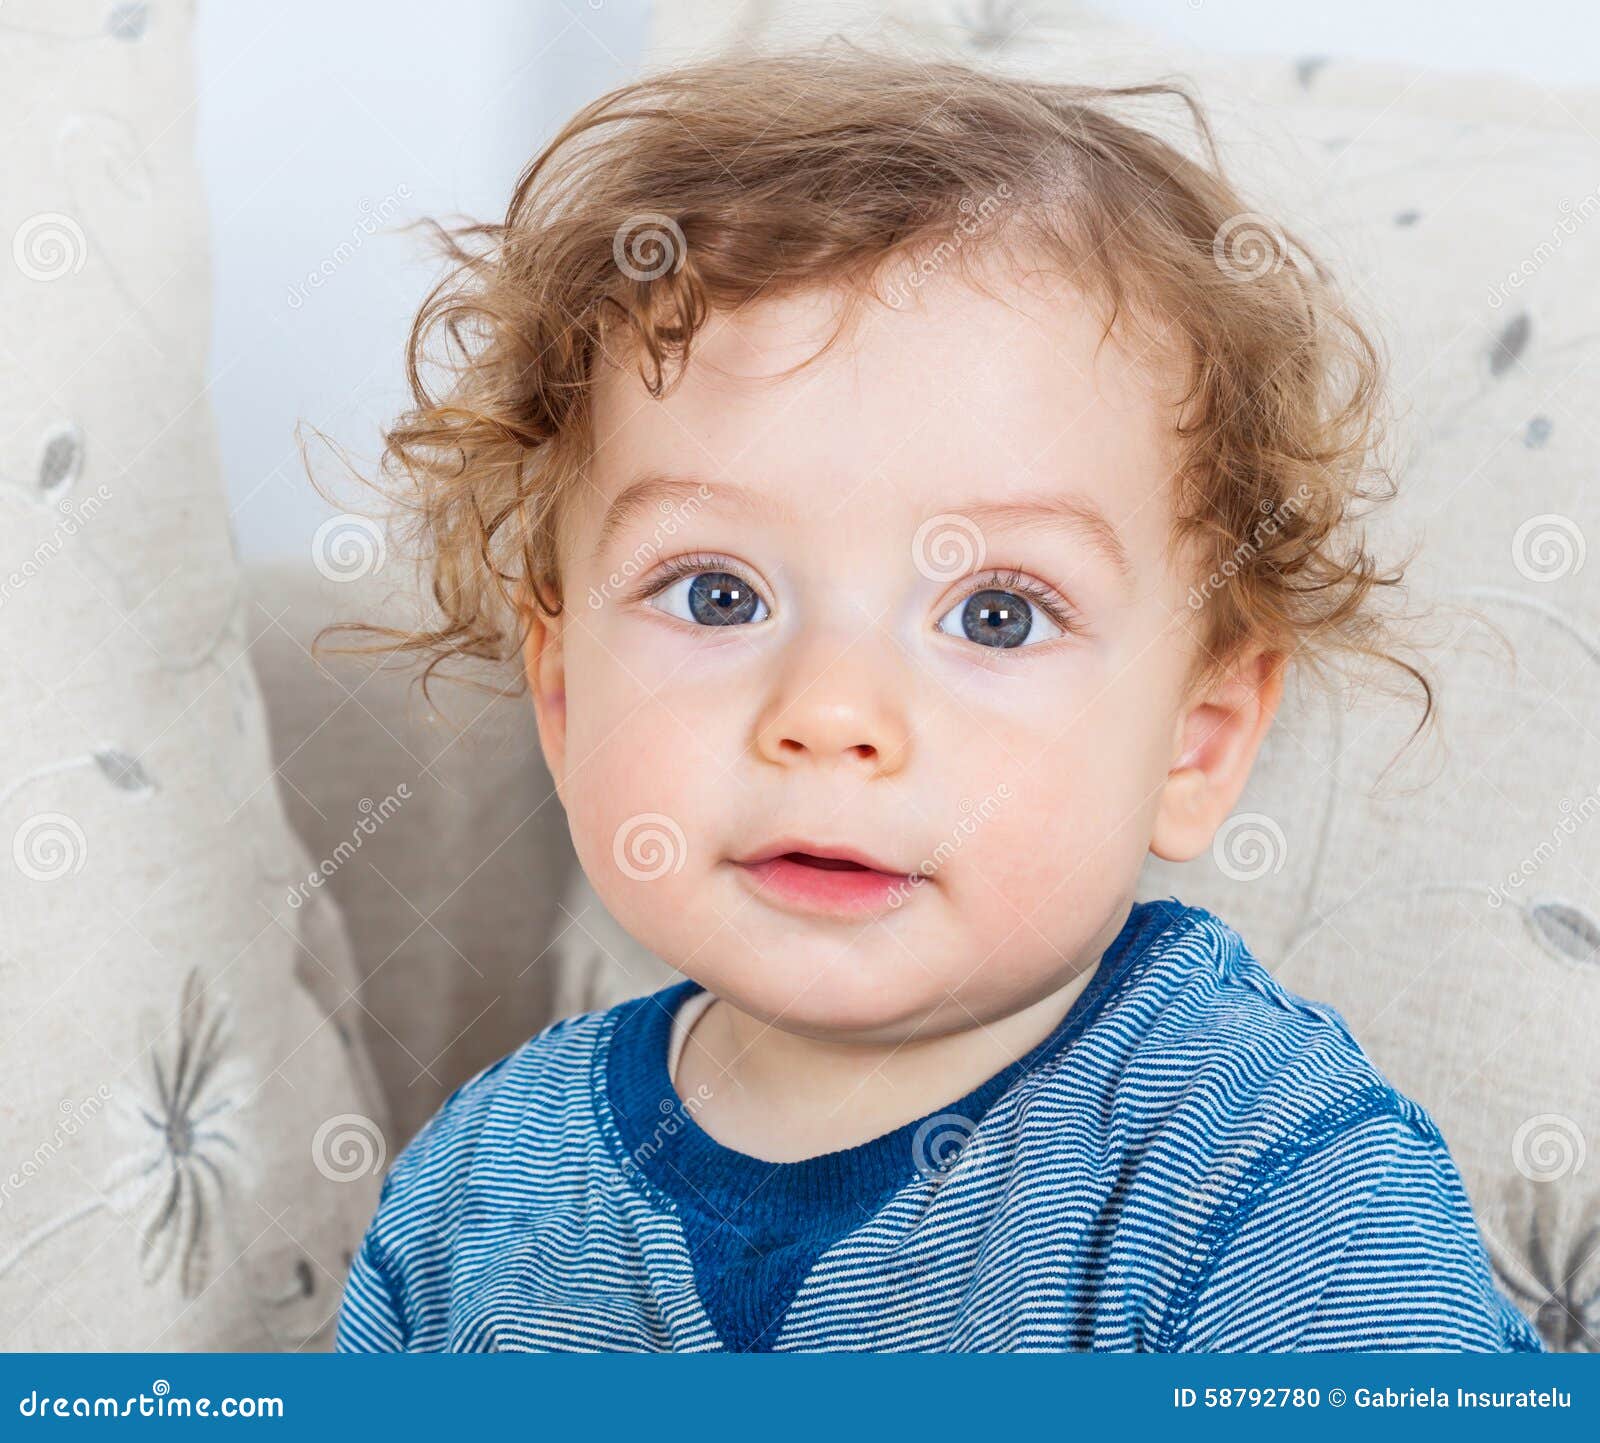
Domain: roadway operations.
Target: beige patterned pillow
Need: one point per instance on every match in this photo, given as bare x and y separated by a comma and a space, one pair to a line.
189, 1143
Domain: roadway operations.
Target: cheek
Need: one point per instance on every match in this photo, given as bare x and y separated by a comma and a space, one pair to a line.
641, 791
1076, 797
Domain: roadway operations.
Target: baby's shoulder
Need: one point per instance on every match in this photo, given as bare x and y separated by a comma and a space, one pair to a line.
1213, 1067
1240, 1129
480, 1138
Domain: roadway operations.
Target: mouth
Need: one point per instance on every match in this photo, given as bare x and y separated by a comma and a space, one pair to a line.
830, 881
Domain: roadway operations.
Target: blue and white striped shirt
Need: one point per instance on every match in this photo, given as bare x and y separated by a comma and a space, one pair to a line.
1195, 1160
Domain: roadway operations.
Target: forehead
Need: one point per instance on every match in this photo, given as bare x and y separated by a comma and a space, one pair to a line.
956, 392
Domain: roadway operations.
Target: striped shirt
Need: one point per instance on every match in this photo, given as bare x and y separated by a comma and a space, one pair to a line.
1195, 1160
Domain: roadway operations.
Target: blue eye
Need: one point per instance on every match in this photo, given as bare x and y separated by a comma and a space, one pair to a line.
711, 598
996, 618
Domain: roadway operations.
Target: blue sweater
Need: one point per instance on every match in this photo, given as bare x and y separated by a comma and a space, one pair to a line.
1194, 1160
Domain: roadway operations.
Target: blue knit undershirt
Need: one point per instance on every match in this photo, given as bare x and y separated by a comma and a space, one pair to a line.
756, 1228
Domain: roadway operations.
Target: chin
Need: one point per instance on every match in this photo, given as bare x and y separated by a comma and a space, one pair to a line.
833, 994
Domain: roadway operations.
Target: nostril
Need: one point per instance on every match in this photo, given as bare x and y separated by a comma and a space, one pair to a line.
792, 747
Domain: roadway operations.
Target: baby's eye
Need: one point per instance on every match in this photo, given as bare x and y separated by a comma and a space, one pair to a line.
999, 619
711, 598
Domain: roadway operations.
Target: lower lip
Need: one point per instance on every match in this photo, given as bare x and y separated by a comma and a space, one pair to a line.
838, 892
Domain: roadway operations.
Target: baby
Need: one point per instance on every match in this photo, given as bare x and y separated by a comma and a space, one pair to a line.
905, 489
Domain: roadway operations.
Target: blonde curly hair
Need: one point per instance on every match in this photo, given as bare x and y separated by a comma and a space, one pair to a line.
735, 179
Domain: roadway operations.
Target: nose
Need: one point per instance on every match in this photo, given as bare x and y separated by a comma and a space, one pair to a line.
836, 705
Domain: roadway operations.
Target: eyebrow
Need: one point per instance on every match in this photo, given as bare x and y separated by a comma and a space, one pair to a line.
668, 493
1076, 514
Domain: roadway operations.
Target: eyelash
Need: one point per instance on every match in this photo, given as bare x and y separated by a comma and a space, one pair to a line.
1052, 605
690, 565
1008, 580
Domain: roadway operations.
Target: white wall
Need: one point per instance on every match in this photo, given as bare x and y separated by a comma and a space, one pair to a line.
1555, 42
314, 120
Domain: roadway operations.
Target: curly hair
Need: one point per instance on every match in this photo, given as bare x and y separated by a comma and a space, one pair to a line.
734, 179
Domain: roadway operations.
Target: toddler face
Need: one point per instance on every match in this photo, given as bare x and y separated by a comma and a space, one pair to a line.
907, 612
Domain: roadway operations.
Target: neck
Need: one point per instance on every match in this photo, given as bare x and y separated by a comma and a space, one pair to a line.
782, 1096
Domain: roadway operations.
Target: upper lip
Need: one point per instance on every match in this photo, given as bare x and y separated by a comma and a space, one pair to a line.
786, 845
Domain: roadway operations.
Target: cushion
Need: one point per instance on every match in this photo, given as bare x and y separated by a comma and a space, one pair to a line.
192, 1134
444, 846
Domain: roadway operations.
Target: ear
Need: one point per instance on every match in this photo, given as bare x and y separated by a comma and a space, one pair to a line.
545, 666
1214, 746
